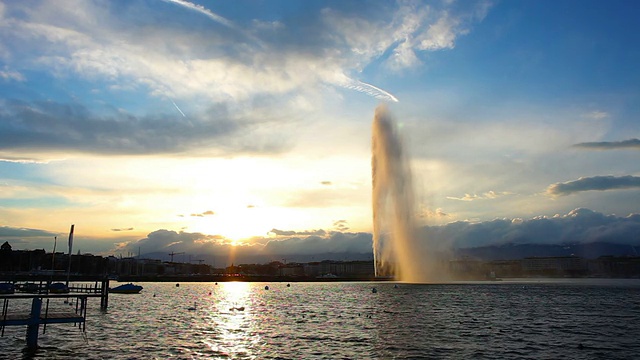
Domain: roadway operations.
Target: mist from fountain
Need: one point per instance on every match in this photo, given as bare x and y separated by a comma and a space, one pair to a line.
397, 251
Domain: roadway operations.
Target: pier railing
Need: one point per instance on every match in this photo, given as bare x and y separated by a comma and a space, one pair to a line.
42, 314
44, 308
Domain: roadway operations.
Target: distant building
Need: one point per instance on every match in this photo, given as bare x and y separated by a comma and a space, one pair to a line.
354, 269
467, 268
554, 266
615, 266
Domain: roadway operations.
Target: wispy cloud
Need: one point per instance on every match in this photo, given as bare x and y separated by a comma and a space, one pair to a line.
610, 145
318, 232
341, 225
28, 127
486, 196
212, 67
601, 183
596, 115
203, 214
13, 232
8, 75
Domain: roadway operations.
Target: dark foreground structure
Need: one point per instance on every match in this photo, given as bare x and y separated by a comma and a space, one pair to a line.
45, 294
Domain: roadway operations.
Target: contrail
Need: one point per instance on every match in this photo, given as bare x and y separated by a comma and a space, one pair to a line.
215, 17
201, 9
174, 104
369, 89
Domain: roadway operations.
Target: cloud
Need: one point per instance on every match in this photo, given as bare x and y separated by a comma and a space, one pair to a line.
333, 47
168, 240
336, 243
197, 66
594, 183
277, 232
578, 226
341, 225
72, 128
13, 232
163, 242
123, 229
203, 214
486, 196
596, 115
9, 75
438, 213
609, 145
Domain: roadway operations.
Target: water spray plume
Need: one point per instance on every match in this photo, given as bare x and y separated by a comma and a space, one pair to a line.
396, 249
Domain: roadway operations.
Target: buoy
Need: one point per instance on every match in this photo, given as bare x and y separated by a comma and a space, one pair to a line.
374, 290
177, 285
288, 285
266, 287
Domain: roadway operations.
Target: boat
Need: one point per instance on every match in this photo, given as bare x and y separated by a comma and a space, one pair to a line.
28, 287
58, 288
126, 289
7, 288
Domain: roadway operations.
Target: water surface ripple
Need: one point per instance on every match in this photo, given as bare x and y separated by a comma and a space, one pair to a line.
580, 319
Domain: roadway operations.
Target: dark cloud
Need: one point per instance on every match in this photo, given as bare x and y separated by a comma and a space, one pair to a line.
341, 225
581, 226
608, 145
578, 226
337, 243
56, 127
12, 232
325, 183
124, 229
161, 243
594, 183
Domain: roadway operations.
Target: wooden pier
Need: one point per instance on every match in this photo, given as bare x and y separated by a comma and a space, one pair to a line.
43, 312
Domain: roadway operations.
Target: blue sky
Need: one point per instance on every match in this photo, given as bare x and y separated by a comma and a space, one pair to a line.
226, 124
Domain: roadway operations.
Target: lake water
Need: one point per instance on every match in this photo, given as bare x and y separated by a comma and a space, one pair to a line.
527, 319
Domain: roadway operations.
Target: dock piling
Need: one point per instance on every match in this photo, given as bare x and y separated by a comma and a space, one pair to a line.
34, 323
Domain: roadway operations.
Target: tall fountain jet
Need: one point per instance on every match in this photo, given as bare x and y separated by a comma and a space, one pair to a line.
396, 249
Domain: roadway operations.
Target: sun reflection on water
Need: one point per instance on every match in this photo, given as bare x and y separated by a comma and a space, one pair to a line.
234, 320
235, 293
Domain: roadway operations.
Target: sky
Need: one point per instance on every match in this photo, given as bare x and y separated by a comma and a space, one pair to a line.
245, 126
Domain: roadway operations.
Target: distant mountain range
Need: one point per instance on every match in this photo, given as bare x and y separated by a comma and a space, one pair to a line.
486, 253
218, 261
519, 251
